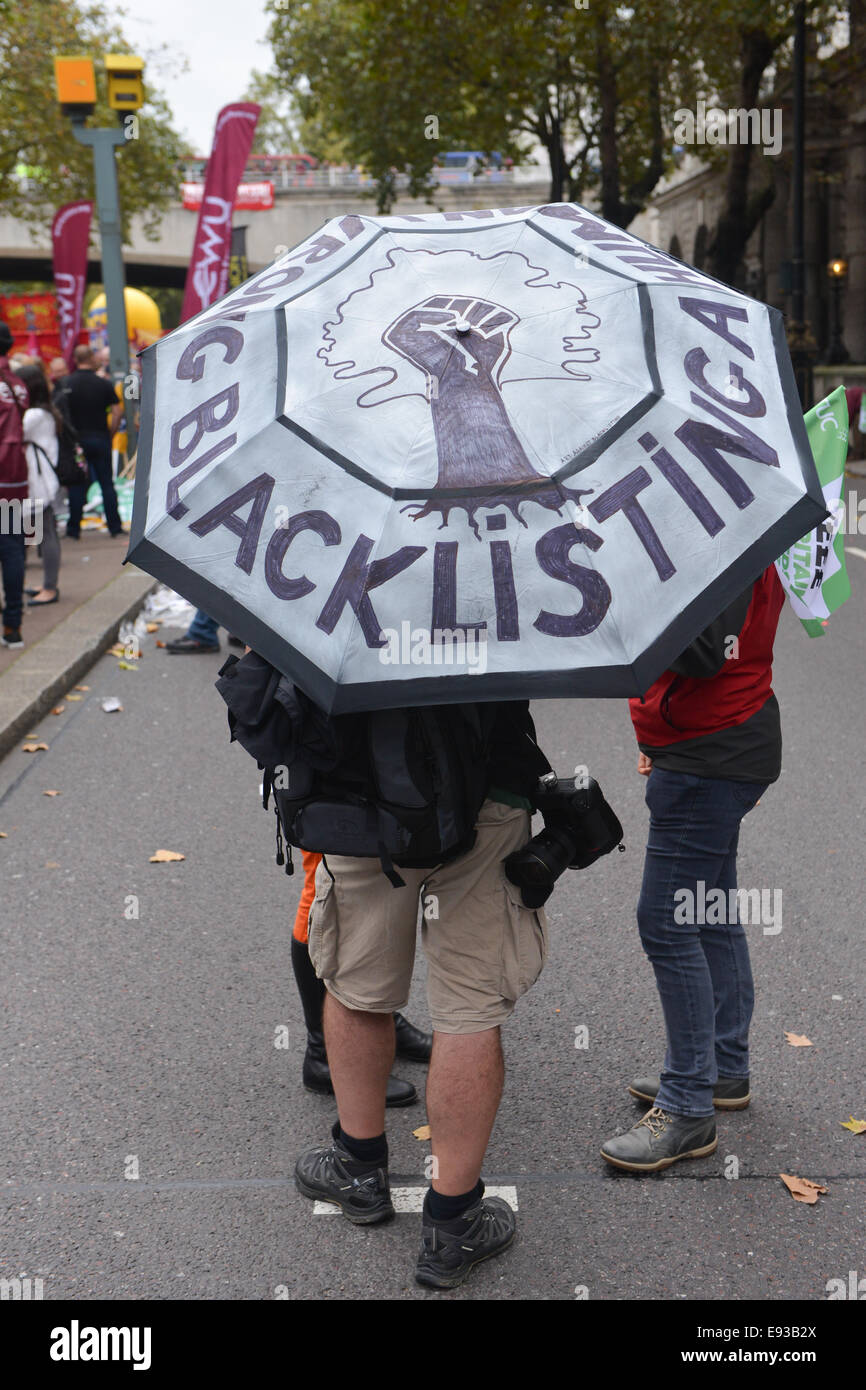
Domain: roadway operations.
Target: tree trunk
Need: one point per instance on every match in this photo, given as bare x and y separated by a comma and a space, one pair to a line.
608, 97
741, 213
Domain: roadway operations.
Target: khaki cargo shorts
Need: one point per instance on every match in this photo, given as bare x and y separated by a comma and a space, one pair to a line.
483, 947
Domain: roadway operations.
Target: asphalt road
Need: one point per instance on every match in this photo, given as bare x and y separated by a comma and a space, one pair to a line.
146, 1044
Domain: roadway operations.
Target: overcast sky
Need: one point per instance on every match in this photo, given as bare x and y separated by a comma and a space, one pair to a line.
219, 40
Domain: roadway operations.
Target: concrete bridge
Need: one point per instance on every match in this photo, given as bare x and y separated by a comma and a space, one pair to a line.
296, 213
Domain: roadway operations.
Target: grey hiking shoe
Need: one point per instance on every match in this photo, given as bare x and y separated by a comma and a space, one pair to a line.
660, 1139
451, 1249
364, 1198
729, 1092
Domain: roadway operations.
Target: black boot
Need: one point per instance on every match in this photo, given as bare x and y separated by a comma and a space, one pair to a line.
412, 1044
316, 1073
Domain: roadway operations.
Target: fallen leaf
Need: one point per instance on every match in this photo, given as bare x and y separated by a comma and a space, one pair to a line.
165, 856
58, 709
160, 644
3, 835
73, 697
802, 1189
126, 666
855, 1126
423, 1132
799, 1040
51, 865
51, 793
152, 627
82, 687
118, 649
33, 747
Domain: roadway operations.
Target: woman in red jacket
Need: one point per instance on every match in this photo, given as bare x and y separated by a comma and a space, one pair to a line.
710, 744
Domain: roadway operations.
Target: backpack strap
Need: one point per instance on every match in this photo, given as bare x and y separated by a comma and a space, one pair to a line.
387, 862
39, 449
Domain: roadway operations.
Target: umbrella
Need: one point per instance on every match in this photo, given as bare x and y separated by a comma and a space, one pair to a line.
482, 455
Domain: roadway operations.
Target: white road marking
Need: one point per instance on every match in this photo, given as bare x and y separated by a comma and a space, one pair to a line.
853, 550
408, 1199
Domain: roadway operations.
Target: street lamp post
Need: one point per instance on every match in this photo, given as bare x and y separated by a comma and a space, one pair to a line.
801, 343
837, 270
76, 91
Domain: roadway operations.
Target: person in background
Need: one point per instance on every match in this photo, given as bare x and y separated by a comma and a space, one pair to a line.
58, 368
13, 490
710, 743
410, 1042
202, 635
42, 425
88, 398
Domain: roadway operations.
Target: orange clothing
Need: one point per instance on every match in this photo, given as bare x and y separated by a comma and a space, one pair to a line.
311, 863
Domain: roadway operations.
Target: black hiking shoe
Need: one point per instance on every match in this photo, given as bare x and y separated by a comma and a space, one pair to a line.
364, 1198
451, 1249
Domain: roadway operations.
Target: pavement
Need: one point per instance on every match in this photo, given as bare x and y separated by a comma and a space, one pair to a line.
63, 639
151, 1036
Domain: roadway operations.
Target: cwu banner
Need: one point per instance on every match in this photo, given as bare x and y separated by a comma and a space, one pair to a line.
208, 275
70, 237
813, 572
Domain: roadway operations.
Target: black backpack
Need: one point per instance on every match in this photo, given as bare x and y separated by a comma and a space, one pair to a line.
71, 467
403, 786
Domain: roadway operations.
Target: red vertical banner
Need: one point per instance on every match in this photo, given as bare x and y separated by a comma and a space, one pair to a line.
208, 275
70, 237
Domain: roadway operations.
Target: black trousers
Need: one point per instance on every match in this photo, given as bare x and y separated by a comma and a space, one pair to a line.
97, 451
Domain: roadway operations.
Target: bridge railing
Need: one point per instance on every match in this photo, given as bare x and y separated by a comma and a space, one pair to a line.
291, 180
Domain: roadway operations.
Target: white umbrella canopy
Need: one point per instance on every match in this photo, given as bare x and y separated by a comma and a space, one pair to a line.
471, 456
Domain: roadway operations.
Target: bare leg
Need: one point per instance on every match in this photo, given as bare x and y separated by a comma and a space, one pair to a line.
360, 1048
464, 1087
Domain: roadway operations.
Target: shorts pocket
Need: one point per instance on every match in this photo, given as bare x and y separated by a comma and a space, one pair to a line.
322, 931
524, 944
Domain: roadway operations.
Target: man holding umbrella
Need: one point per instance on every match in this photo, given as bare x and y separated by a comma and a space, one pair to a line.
484, 949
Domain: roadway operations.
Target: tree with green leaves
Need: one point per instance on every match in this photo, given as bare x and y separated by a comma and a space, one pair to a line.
746, 58
390, 83
36, 135
395, 81
277, 126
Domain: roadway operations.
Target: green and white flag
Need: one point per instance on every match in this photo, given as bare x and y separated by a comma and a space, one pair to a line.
813, 571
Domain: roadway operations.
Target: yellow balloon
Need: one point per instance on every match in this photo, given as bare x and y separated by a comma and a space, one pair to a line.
143, 322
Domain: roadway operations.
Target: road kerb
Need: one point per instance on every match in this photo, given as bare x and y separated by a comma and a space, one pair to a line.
45, 671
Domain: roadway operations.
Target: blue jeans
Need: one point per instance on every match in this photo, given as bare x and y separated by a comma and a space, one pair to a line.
702, 969
204, 629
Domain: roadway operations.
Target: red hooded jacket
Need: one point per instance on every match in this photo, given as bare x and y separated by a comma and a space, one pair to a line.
685, 706
14, 400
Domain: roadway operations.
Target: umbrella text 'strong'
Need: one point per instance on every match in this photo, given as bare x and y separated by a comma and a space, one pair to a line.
438, 380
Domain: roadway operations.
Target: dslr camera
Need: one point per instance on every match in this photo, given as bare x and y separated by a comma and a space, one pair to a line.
579, 827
